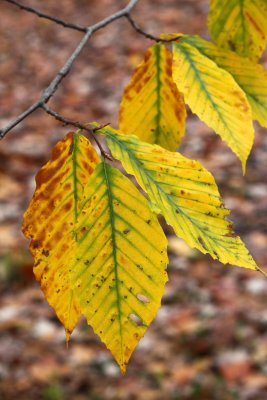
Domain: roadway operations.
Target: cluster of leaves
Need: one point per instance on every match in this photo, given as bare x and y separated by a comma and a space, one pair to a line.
98, 247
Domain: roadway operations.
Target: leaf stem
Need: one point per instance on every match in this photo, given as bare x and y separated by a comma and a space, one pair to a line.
148, 35
85, 127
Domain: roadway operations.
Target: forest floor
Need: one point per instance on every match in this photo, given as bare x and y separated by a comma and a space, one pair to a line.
209, 339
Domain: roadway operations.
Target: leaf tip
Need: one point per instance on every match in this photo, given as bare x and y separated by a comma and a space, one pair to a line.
244, 166
123, 368
67, 334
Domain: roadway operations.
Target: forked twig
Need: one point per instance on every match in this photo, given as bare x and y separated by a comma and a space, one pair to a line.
53, 86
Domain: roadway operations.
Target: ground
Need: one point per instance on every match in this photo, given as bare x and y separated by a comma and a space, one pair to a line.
209, 340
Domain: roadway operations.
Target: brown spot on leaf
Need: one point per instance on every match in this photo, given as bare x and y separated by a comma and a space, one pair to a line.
67, 186
254, 23
201, 241
71, 149
91, 155
146, 79
147, 55
64, 248
47, 172
231, 234
126, 96
37, 263
87, 166
123, 260
67, 207
57, 236
168, 68
179, 113
231, 45
83, 230
138, 88
36, 244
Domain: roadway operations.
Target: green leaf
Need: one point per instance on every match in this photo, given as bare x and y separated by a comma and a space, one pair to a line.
152, 107
213, 94
239, 25
186, 194
118, 268
251, 77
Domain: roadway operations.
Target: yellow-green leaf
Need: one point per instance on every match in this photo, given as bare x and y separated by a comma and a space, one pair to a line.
186, 194
152, 107
239, 25
50, 218
119, 267
213, 94
251, 77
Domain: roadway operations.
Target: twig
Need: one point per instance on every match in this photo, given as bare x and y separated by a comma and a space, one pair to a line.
139, 30
81, 28
49, 17
77, 124
146, 34
66, 121
52, 87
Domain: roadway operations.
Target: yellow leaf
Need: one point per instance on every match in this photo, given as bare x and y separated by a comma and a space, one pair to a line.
213, 94
186, 194
119, 270
239, 25
251, 77
152, 107
50, 218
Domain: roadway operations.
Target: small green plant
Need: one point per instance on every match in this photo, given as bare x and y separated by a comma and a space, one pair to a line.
53, 392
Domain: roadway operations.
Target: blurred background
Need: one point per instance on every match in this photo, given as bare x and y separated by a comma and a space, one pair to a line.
209, 339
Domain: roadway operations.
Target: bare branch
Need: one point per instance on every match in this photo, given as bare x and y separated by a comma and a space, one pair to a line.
20, 118
77, 124
52, 87
49, 17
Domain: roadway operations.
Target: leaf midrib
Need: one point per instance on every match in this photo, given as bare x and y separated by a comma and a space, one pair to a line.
158, 90
204, 87
74, 175
114, 251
